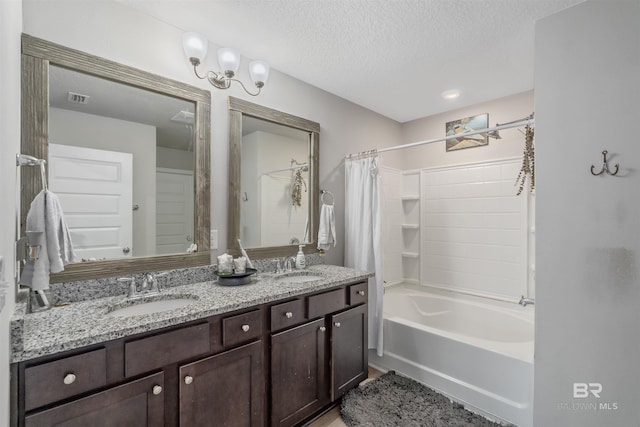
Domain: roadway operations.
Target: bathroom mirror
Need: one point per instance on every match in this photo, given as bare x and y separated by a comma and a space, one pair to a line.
84, 115
273, 180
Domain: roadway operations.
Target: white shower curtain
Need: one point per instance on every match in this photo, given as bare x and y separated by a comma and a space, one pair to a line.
363, 233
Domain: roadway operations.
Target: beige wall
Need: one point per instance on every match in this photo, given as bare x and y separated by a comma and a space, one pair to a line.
500, 111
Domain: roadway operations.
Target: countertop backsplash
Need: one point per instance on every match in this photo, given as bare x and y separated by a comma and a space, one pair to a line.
83, 290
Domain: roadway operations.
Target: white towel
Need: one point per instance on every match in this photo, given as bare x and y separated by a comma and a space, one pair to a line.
327, 229
56, 249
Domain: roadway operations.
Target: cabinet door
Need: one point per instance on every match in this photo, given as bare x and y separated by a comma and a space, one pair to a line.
349, 357
138, 403
224, 390
299, 384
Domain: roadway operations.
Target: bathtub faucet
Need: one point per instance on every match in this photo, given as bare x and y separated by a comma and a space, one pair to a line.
525, 301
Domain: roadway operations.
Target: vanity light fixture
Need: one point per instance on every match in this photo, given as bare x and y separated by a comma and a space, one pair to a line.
195, 47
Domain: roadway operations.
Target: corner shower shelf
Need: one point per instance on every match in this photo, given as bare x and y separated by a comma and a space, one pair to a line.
410, 198
410, 226
410, 255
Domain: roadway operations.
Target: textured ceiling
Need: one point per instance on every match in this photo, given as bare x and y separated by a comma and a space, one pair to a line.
394, 57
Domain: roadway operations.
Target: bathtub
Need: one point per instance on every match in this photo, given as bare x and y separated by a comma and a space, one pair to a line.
477, 353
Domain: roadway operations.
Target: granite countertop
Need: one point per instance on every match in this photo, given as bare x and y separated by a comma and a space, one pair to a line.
84, 323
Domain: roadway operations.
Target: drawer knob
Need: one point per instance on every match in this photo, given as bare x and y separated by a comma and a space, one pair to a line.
245, 328
188, 379
361, 293
288, 314
322, 329
157, 389
337, 324
70, 378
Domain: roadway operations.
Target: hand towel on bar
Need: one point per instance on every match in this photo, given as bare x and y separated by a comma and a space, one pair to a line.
56, 249
327, 229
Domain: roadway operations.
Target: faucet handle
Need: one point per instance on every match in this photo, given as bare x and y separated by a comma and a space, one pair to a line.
133, 290
153, 279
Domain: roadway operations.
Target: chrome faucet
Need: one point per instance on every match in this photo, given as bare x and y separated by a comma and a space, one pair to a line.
525, 301
149, 286
289, 263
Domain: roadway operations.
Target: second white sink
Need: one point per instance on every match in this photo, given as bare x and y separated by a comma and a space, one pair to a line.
151, 307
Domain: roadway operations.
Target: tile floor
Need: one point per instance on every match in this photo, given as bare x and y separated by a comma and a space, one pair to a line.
332, 418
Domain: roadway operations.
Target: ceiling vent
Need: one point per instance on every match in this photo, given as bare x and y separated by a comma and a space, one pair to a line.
78, 98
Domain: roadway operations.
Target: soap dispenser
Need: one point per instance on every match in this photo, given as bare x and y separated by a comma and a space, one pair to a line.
300, 260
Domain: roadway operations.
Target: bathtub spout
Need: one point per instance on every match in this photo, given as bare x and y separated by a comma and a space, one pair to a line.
525, 301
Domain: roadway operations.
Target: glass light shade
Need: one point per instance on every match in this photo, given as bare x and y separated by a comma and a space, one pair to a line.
195, 46
229, 59
259, 71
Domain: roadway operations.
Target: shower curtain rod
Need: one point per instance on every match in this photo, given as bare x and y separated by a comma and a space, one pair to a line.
528, 121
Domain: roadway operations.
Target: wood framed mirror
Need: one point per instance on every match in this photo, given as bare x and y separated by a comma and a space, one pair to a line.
273, 181
44, 63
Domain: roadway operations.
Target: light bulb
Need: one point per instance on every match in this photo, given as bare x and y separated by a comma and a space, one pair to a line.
259, 71
195, 47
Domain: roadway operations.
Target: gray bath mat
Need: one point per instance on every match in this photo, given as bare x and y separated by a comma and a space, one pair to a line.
394, 400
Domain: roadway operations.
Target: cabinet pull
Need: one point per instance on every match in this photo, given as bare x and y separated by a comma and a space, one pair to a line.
245, 328
157, 389
70, 378
188, 379
361, 293
337, 324
322, 329
288, 315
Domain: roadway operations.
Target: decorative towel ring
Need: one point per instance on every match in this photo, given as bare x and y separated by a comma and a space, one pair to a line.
325, 193
605, 167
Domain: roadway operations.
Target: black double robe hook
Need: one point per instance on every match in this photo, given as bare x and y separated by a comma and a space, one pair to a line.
605, 167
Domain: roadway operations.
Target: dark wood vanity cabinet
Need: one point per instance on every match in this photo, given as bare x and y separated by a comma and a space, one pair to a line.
276, 364
315, 363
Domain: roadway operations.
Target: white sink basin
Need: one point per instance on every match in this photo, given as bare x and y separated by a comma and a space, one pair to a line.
151, 307
300, 278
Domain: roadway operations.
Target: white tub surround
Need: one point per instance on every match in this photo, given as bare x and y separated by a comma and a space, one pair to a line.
477, 353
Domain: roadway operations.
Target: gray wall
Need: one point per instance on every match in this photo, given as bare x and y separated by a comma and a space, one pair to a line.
587, 289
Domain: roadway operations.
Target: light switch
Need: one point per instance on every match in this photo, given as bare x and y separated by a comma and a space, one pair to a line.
213, 240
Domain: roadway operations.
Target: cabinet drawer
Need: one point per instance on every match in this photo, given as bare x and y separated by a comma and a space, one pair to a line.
325, 303
241, 328
53, 381
137, 403
287, 314
154, 352
358, 293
